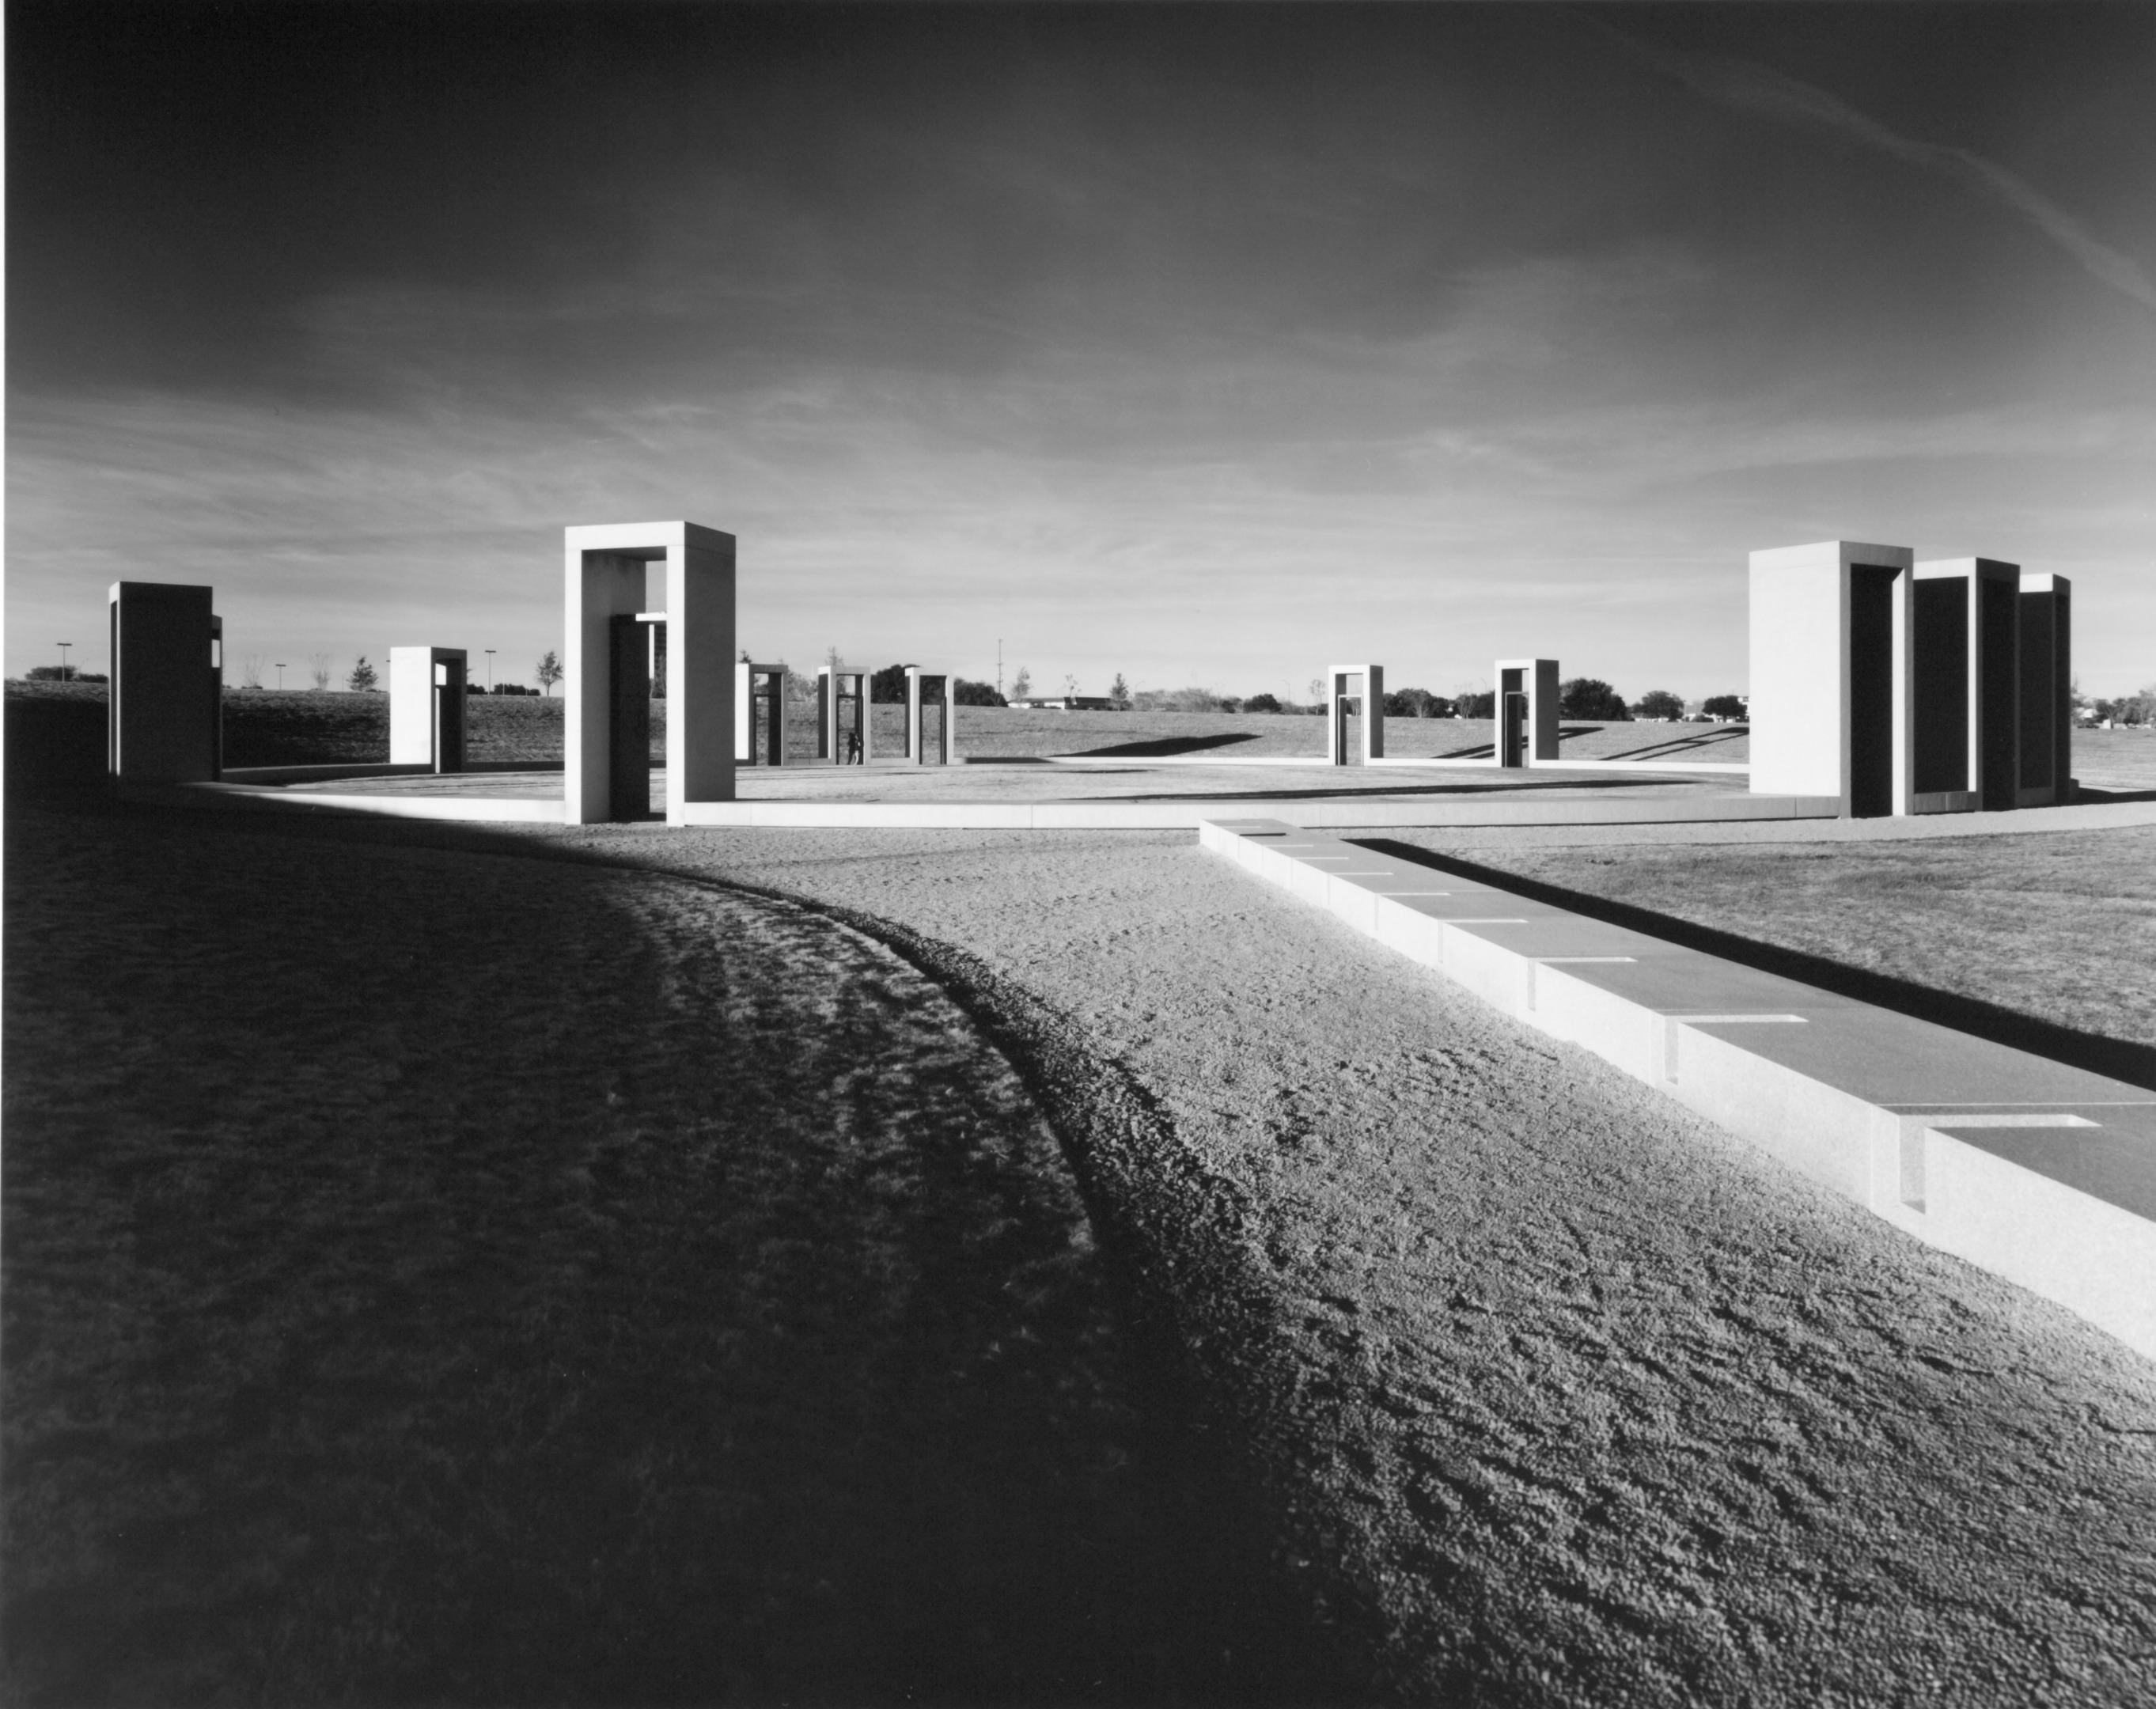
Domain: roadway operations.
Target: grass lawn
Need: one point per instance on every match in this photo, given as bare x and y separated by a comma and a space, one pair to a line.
441, 1278
2058, 927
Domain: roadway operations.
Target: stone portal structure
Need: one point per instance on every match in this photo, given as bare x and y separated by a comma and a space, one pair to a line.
164, 719
607, 668
1832, 689
841, 736
427, 707
1354, 682
1525, 710
754, 684
2046, 711
1967, 671
916, 707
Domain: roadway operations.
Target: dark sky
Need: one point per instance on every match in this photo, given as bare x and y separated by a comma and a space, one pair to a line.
1205, 344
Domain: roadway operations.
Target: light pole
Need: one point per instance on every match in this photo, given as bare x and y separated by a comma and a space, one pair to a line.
489, 670
63, 646
280, 678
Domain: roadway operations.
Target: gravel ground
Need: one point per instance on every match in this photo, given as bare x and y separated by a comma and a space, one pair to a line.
1557, 1395
1566, 1397
435, 1277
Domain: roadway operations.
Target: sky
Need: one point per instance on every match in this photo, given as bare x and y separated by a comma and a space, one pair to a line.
1204, 345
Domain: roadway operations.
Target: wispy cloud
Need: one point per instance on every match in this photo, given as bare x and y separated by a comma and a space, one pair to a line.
1748, 87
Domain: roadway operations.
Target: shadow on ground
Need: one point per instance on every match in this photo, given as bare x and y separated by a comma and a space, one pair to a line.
1162, 745
436, 1277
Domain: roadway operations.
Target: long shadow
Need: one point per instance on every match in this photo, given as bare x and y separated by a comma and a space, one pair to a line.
873, 1504
1164, 745
2099, 796
1682, 744
2119, 1058
1396, 791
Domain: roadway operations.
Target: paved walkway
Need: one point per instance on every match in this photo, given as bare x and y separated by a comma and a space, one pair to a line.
2041, 1173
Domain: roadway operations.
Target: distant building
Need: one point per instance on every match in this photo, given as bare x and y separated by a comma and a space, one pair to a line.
1068, 703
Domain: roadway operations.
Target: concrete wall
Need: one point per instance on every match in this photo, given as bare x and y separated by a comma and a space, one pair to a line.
604, 578
1966, 670
1349, 682
427, 707
165, 710
1535, 679
1831, 633
2045, 746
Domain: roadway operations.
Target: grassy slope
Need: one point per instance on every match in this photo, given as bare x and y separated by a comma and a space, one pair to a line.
2059, 926
439, 1278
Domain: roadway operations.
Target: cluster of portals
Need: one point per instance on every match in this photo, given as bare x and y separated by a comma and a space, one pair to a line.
1885, 685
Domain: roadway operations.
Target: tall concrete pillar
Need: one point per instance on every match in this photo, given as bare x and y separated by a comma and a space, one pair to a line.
1831, 683
916, 706
427, 707
1966, 665
836, 686
1354, 682
2046, 745
164, 719
1533, 727
766, 684
604, 580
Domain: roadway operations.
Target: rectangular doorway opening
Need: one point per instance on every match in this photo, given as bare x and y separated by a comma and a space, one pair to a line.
1997, 713
1871, 690
1942, 684
628, 717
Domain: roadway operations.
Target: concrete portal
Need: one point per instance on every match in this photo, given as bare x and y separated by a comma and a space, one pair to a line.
164, 719
1527, 727
1832, 689
608, 669
1966, 666
1352, 682
842, 737
427, 707
2045, 748
764, 683
916, 708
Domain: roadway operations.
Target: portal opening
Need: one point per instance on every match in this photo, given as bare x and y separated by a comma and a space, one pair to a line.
1871, 690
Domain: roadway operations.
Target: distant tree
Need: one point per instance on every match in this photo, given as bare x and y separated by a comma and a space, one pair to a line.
1481, 703
1658, 703
549, 672
887, 686
475, 688
1021, 688
1229, 703
1590, 697
1317, 694
362, 679
318, 667
250, 671
975, 694
1416, 703
1258, 703
1724, 707
1119, 693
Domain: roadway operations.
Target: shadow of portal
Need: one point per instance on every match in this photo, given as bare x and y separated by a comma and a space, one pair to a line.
1165, 745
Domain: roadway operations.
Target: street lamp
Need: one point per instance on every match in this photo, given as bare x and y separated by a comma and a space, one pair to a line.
489, 670
63, 646
280, 676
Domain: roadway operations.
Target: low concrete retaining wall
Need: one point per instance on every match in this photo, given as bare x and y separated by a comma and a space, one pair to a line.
2041, 1173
